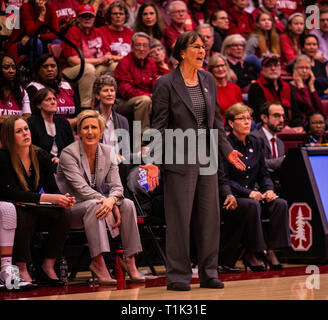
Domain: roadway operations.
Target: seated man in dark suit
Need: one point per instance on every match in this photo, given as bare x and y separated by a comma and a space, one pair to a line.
272, 117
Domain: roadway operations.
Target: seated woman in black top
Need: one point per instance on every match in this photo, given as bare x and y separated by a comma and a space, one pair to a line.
255, 184
49, 131
25, 169
316, 126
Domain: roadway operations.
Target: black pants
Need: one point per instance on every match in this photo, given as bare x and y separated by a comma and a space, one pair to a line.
54, 220
242, 228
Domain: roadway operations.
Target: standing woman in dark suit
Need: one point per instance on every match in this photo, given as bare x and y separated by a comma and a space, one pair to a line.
25, 169
186, 99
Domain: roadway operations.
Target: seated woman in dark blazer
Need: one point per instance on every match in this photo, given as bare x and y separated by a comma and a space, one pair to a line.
49, 131
244, 185
25, 169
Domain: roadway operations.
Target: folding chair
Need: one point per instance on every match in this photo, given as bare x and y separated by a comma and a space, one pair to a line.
146, 221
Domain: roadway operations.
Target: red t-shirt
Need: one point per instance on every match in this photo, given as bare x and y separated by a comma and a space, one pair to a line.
227, 96
65, 8
288, 7
119, 42
93, 45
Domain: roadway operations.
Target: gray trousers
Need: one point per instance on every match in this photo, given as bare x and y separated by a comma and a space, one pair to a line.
191, 207
84, 216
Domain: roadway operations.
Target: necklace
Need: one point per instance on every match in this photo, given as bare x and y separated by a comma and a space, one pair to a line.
93, 182
191, 83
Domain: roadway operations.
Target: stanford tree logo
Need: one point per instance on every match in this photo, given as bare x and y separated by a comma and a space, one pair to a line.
299, 215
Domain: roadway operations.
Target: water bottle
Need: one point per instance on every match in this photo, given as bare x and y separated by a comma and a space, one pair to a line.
143, 179
63, 270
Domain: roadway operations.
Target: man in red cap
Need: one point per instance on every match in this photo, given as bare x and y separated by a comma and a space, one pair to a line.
270, 87
96, 51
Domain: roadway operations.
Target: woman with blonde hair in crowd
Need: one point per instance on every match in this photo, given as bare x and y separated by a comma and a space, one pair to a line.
228, 92
265, 38
303, 88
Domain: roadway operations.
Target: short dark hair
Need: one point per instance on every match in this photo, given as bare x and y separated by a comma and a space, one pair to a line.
39, 97
310, 35
184, 40
117, 4
266, 106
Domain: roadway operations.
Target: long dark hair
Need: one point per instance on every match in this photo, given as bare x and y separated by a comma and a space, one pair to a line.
14, 87
158, 28
9, 143
203, 8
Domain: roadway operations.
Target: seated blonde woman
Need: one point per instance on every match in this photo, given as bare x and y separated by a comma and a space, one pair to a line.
88, 170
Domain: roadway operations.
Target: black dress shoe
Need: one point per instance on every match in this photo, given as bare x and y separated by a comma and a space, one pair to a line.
226, 269
212, 284
178, 286
45, 280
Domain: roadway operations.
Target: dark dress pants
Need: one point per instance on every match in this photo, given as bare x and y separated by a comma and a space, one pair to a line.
54, 220
191, 205
241, 229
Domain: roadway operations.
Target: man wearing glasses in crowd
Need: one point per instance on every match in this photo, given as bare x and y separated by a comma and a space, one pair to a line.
270, 87
136, 75
273, 121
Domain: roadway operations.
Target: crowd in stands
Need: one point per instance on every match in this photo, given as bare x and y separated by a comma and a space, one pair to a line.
270, 64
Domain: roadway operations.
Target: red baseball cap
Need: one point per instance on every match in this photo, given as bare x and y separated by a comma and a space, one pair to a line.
86, 8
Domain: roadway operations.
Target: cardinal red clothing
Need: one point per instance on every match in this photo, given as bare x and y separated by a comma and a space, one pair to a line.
227, 96
288, 7
65, 8
241, 23
11, 107
65, 98
93, 45
277, 23
287, 49
171, 35
134, 80
29, 23
119, 41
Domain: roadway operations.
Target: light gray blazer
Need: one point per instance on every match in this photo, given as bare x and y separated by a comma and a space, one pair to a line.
73, 174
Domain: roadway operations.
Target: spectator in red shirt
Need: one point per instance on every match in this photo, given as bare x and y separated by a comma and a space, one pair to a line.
198, 12
288, 7
32, 15
303, 86
290, 41
136, 75
95, 49
158, 54
66, 11
228, 92
280, 20
177, 10
118, 36
270, 87
149, 21
240, 21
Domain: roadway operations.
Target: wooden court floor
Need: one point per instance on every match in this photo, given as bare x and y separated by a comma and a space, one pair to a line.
293, 283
